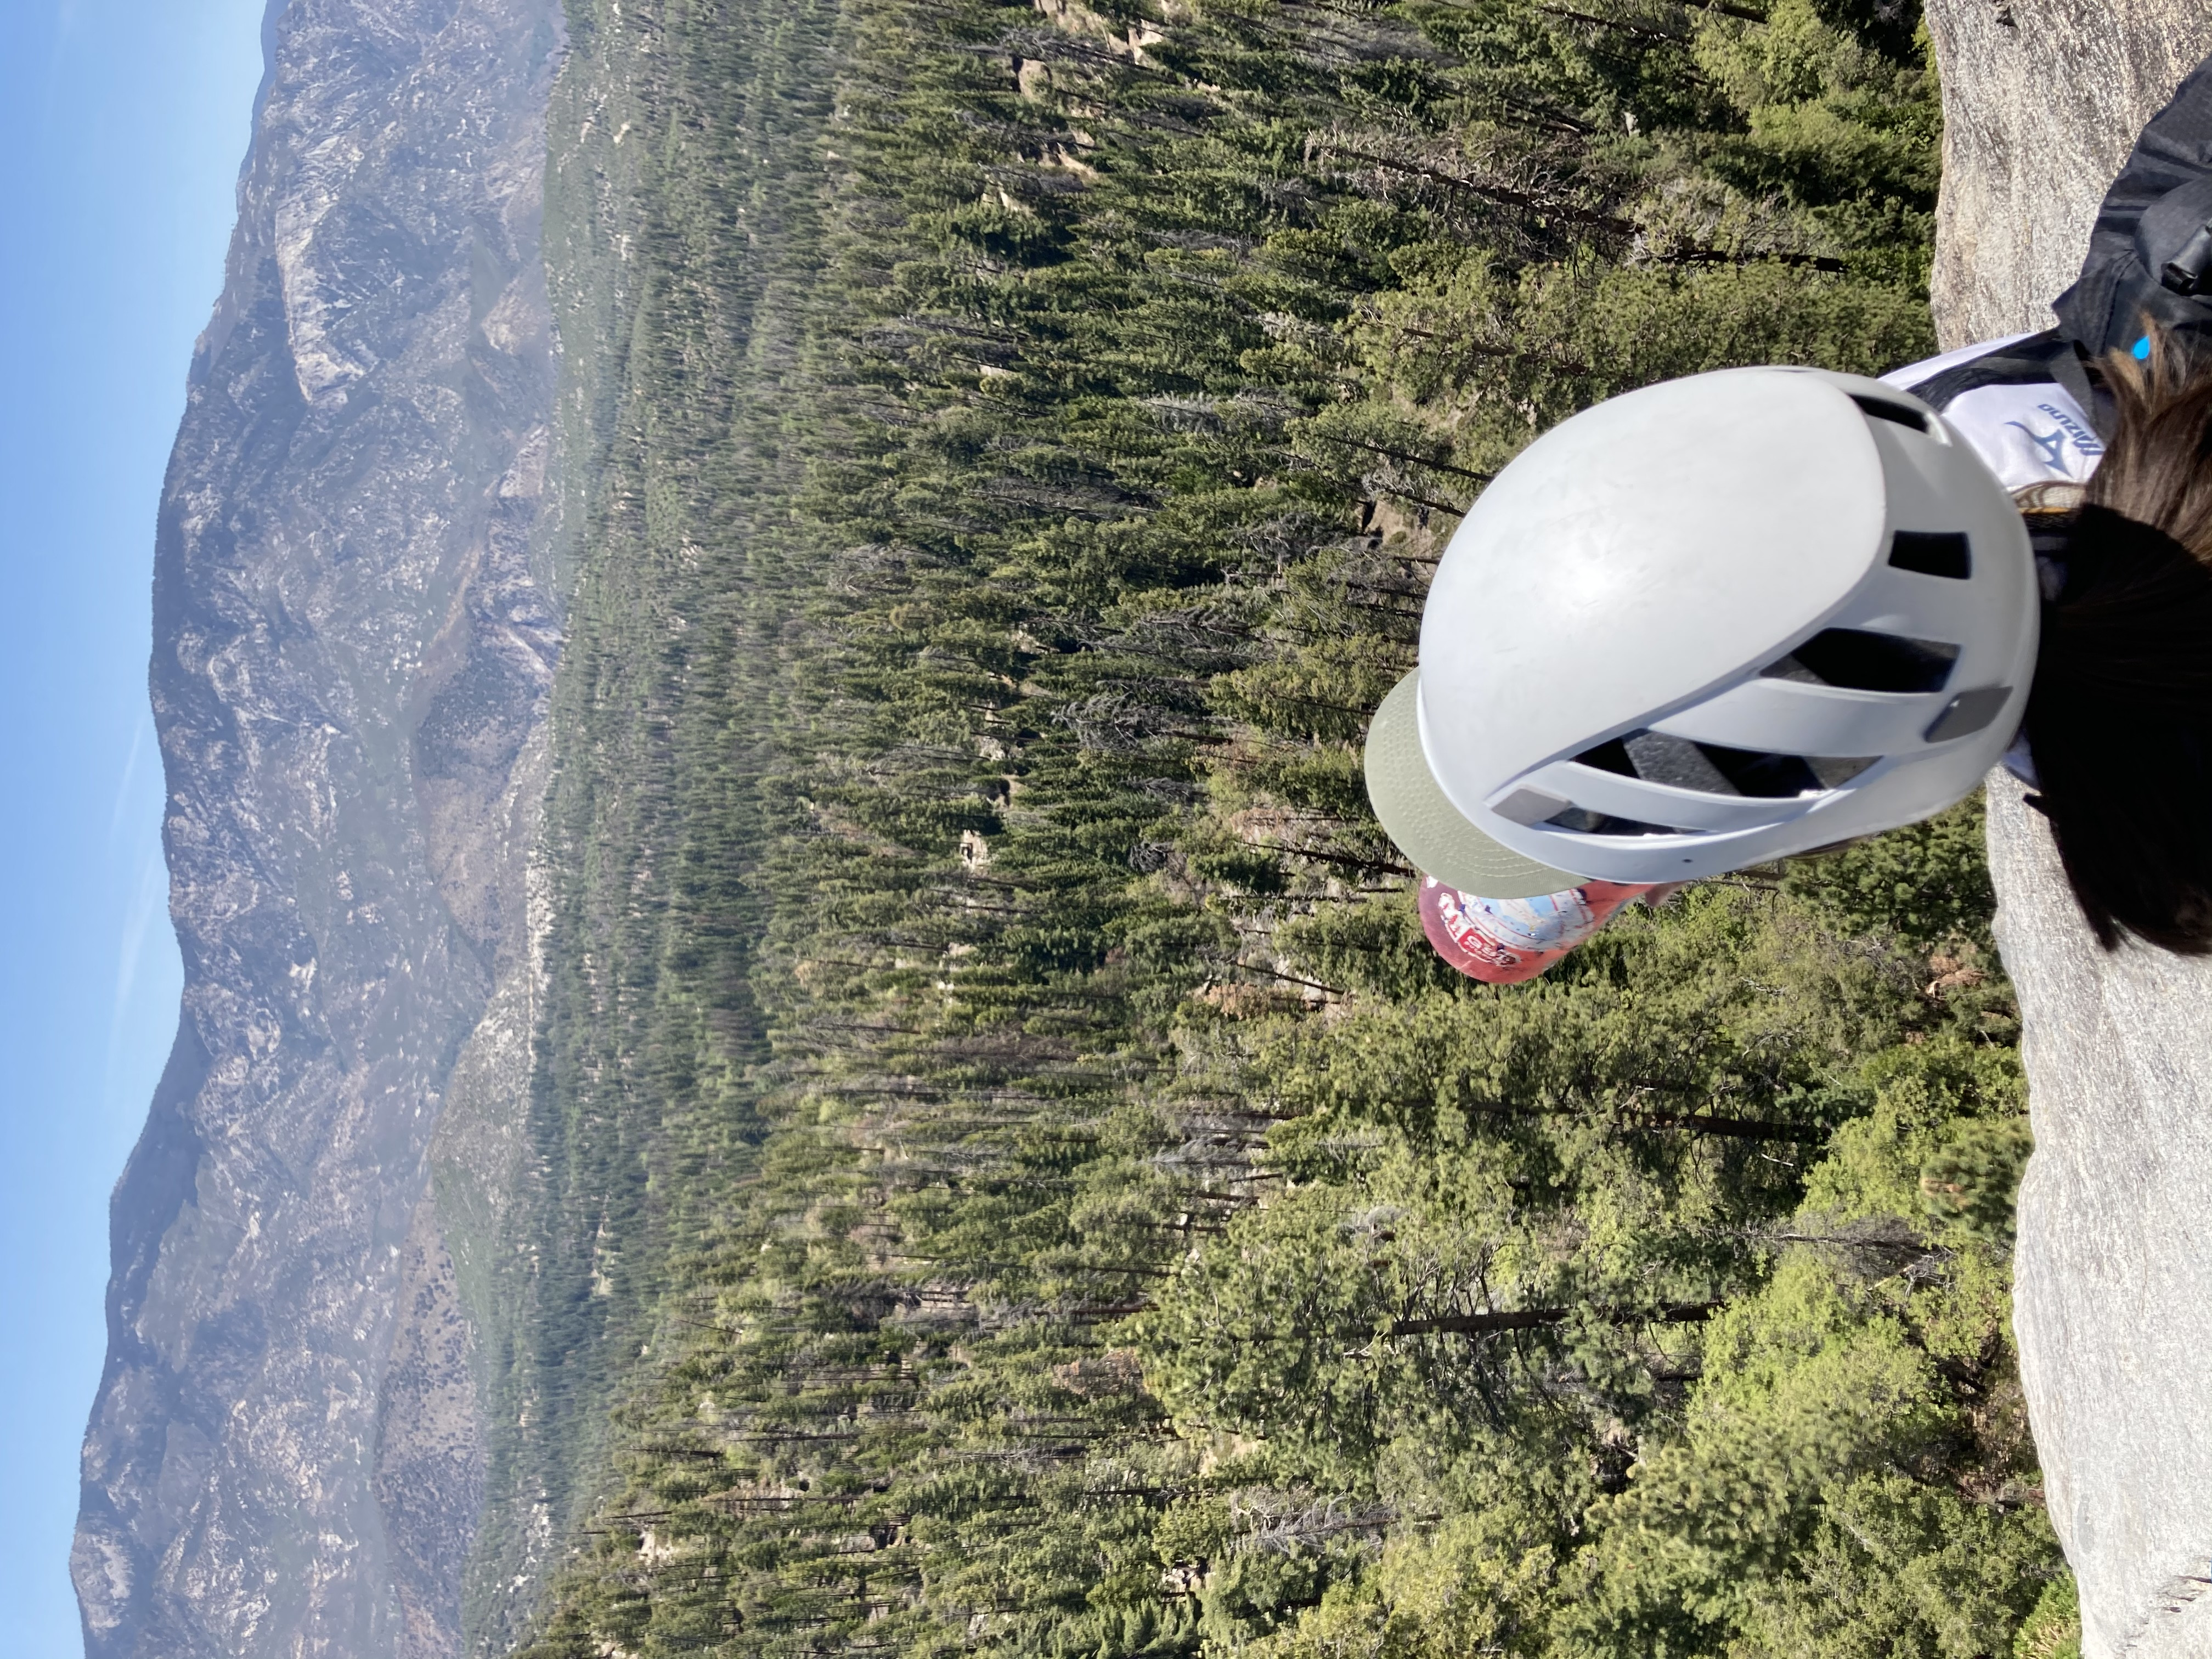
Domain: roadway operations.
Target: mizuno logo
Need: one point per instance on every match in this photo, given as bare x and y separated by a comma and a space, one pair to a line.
2066, 433
2053, 446
2084, 440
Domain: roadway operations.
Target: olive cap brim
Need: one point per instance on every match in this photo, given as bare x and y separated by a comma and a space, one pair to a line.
1433, 834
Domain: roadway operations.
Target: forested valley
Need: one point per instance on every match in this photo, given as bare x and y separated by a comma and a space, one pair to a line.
1006, 1173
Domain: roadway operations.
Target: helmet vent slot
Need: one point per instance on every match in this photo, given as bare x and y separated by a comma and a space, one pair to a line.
1580, 821
1881, 408
1764, 777
1680, 764
1714, 769
1611, 755
1834, 771
1852, 659
1932, 553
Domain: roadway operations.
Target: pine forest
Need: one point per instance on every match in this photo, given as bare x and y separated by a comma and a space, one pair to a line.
1006, 1173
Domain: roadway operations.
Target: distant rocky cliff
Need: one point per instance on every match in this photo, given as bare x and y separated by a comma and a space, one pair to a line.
355, 631
2042, 100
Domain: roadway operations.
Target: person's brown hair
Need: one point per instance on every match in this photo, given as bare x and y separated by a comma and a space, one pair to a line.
2120, 719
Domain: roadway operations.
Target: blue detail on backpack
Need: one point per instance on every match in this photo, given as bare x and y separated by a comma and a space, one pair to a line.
2142, 349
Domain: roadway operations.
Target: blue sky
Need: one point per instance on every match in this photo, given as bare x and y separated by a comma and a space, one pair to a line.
123, 123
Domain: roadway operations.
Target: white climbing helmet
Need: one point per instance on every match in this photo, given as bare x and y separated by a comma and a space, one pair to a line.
1707, 624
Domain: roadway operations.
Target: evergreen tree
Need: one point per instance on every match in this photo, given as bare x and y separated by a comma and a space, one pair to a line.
1007, 1172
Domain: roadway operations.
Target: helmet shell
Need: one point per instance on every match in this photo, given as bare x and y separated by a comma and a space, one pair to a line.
1642, 574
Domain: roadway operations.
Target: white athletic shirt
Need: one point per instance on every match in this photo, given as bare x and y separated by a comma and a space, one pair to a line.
2024, 423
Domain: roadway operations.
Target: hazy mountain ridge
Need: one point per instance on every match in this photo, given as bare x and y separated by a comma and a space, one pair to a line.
355, 631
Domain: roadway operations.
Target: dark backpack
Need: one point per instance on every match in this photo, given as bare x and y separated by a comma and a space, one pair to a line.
2150, 253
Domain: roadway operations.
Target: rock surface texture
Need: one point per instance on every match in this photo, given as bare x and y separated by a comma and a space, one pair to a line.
2042, 100
354, 637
